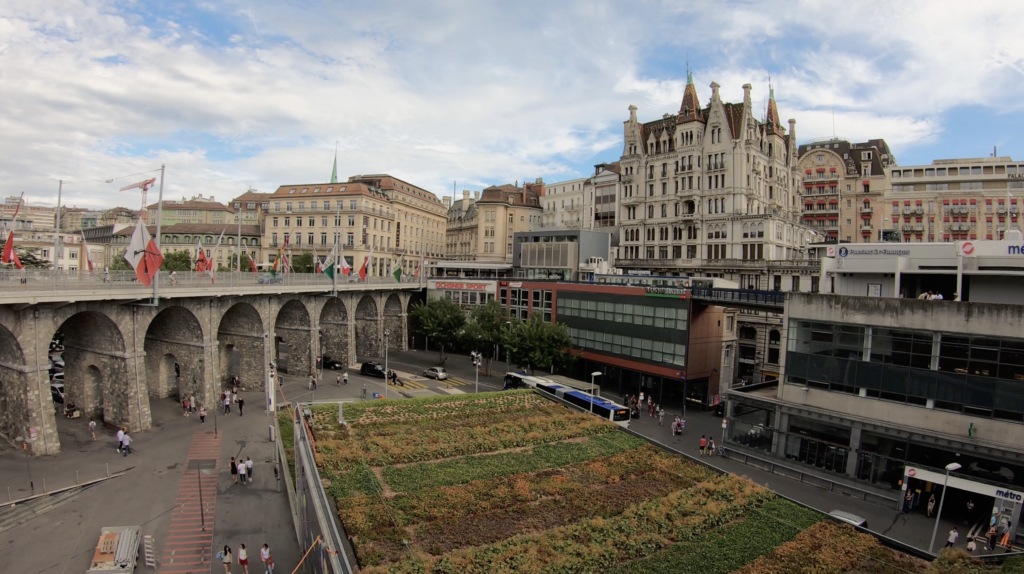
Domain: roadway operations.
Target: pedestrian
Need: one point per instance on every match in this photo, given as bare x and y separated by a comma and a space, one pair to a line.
937, 297
106, 275
338, 381
120, 435
711, 447
227, 404
661, 418
931, 505
970, 511
174, 278
184, 405
924, 296
243, 559
953, 535
126, 442
312, 383
202, 414
234, 393
344, 378
267, 559
234, 471
703, 444
241, 471
1005, 542
650, 400
192, 402
225, 558
992, 538
641, 396
241, 403
971, 546
92, 429
682, 425
248, 468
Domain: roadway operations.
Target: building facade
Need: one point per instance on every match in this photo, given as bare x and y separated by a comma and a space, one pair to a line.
564, 205
199, 209
562, 254
844, 185
955, 199
188, 237
30, 217
482, 229
398, 221
252, 207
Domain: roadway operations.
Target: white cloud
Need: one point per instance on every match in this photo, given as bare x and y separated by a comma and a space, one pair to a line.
469, 91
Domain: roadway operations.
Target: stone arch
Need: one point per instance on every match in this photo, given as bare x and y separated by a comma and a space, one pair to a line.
293, 338
410, 323
367, 329
240, 339
97, 368
334, 325
15, 418
175, 335
394, 322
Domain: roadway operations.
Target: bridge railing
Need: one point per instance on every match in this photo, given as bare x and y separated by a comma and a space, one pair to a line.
748, 296
47, 280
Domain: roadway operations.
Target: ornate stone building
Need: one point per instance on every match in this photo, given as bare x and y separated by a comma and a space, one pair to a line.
481, 229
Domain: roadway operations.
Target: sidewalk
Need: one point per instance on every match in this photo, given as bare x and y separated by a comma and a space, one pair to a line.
63, 539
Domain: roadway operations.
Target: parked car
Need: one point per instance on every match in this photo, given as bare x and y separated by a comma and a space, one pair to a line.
333, 364
57, 392
372, 369
57, 378
267, 279
436, 373
849, 518
990, 471
57, 363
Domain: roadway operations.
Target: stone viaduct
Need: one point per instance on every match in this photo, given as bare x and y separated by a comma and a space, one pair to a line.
120, 355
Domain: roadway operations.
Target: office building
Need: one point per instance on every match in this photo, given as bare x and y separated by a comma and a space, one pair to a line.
481, 229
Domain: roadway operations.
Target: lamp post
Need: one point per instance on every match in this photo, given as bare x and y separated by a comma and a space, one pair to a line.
387, 333
593, 377
476, 367
28, 464
508, 363
949, 468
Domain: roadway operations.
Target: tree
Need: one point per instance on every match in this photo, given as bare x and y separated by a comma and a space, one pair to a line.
30, 258
540, 345
177, 261
119, 263
486, 328
303, 263
233, 262
440, 320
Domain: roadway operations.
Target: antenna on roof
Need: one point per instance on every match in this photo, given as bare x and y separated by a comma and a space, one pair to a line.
833, 122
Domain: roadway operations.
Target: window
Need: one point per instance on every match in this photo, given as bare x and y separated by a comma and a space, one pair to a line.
273, 222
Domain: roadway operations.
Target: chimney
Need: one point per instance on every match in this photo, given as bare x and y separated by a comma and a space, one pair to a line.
792, 142
714, 90
746, 96
447, 201
632, 113
476, 195
465, 195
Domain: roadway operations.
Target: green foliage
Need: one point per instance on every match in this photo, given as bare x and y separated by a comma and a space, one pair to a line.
176, 261
233, 262
30, 258
467, 469
119, 263
1013, 565
486, 328
303, 263
539, 344
286, 434
958, 561
441, 320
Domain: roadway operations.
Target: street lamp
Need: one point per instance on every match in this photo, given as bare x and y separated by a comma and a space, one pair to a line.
387, 333
476, 366
949, 468
593, 376
24, 445
508, 364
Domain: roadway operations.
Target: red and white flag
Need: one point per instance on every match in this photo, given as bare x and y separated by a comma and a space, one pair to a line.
201, 260
88, 258
213, 256
9, 255
362, 270
143, 254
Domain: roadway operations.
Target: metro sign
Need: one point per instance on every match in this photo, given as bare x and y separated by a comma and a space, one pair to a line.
967, 248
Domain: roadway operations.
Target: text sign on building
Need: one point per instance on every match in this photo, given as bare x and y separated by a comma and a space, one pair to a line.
964, 484
667, 292
463, 286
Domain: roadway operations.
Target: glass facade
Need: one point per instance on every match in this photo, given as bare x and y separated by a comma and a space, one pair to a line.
975, 375
647, 330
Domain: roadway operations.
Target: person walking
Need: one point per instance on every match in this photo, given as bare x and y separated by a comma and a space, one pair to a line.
931, 505
703, 444
174, 278
338, 381
241, 403
661, 418
241, 472
120, 435
248, 468
641, 397
234, 471
225, 558
192, 402
184, 405
92, 429
711, 447
267, 559
227, 404
126, 442
243, 559
953, 535
970, 511
202, 414
234, 392
991, 538
344, 377
312, 382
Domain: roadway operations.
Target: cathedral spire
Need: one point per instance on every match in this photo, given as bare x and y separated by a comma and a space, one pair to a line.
334, 172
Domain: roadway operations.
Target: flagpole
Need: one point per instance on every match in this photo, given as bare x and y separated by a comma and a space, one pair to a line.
337, 233
56, 227
159, 222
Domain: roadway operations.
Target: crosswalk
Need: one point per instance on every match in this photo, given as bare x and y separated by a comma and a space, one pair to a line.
421, 382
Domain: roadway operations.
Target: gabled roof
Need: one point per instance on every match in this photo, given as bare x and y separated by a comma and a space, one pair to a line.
689, 110
734, 115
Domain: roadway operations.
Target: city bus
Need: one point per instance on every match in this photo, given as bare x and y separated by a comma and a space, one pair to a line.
522, 381
602, 408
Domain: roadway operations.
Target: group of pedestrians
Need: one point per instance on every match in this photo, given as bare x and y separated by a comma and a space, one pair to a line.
707, 446
241, 471
226, 558
229, 397
124, 442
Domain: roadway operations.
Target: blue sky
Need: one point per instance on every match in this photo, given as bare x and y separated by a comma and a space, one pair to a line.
232, 94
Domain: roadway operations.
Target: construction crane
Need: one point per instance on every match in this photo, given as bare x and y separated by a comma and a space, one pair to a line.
144, 186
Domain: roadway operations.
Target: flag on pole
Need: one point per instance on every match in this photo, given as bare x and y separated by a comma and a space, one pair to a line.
252, 264
88, 258
420, 268
345, 267
143, 255
201, 260
398, 273
280, 260
318, 266
213, 256
328, 267
362, 270
9, 255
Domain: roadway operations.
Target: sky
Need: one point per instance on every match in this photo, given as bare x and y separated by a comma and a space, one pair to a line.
464, 94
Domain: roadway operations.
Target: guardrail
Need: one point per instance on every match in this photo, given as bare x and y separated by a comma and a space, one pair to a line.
748, 296
49, 281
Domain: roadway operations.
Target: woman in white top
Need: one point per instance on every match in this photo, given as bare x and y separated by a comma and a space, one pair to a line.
225, 557
243, 558
267, 559
241, 472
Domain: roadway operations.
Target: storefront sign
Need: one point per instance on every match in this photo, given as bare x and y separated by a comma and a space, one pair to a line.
848, 251
961, 483
463, 286
667, 292
638, 272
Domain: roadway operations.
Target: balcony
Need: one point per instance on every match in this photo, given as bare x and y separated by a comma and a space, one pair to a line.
866, 226
867, 209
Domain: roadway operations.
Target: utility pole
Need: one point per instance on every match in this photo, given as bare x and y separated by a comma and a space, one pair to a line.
476, 367
386, 372
56, 230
